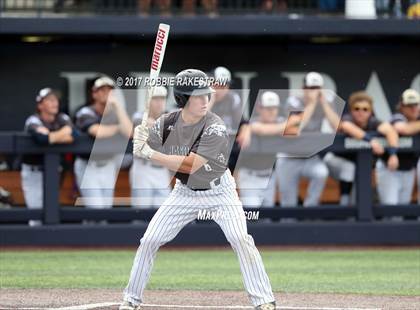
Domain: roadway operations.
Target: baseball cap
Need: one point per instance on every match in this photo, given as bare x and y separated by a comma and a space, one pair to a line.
270, 99
103, 81
160, 91
313, 79
222, 74
44, 93
410, 96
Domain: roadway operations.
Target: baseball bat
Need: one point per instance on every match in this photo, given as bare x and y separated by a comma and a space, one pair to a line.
157, 59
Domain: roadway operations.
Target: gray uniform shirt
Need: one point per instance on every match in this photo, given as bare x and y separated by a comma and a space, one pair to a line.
207, 138
86, 117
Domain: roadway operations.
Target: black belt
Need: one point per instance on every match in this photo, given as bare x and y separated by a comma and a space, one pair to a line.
216, 182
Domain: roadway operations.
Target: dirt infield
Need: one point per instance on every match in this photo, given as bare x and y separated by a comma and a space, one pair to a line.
58, 298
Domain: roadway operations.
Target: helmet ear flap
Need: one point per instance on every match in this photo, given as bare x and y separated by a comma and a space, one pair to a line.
181, 100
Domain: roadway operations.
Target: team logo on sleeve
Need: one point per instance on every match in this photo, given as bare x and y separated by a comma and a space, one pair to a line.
221, 158
215, 129
156, 128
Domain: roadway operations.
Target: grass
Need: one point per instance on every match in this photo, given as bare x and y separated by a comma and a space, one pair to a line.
384, 272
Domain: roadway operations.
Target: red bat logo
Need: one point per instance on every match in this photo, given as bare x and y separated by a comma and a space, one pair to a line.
158, 48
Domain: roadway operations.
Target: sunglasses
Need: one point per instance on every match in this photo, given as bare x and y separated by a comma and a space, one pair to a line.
365, 109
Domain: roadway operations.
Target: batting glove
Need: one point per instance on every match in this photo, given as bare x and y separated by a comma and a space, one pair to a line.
141, 133
137, 146
146, 152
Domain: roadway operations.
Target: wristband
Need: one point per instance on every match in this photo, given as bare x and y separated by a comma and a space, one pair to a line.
392, 150
367, 137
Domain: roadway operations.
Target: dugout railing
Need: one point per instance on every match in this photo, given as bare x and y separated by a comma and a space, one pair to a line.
365, 210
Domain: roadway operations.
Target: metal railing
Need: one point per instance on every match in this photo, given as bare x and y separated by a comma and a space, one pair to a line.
188, 7
365, 209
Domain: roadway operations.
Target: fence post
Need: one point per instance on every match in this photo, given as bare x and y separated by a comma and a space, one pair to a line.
51, 188
364, 194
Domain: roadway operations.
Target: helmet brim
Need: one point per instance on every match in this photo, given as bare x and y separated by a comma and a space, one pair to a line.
198, 92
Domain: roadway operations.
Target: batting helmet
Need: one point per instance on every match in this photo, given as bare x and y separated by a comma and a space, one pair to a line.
190, 82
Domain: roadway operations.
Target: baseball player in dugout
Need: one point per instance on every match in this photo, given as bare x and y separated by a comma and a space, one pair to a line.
362, 124
150, 182
313, 112
46, 126
257, 188
104, 118
192, 143
227, 104
395, 187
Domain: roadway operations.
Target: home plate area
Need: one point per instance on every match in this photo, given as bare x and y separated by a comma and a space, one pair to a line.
79, 299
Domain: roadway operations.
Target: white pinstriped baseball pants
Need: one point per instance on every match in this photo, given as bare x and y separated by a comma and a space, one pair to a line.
181, 208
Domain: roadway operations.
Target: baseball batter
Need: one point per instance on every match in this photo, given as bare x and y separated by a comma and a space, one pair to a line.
192, 142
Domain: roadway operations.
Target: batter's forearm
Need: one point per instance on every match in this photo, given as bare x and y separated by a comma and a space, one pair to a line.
176, 163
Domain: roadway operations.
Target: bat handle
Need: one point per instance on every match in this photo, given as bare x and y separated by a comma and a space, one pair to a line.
147, 106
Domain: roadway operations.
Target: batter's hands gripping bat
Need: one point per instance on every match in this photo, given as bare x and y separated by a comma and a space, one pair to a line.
157, 59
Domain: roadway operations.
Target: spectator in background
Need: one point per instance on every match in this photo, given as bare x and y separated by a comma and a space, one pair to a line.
227, 104
361, 124
164, 7
104, 118
47, 126
150, 183
188, 7
271, 6
307, 115
396, 186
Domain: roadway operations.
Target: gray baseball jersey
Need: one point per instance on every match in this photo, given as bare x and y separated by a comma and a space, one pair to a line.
207, 138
